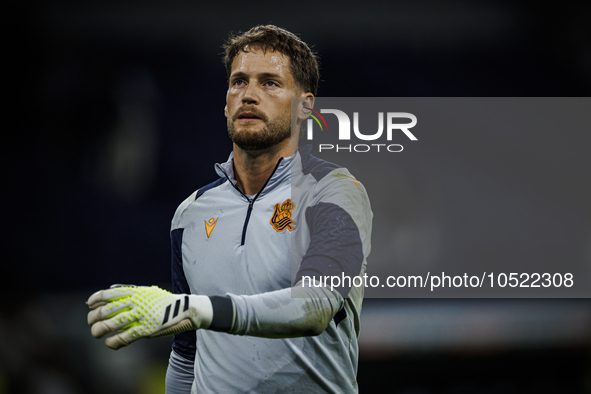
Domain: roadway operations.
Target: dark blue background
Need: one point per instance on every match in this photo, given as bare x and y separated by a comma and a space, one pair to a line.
115, 116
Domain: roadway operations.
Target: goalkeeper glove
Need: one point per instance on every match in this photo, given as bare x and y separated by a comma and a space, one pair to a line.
135, 312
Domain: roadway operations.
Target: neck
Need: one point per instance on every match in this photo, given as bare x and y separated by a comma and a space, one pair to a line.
252, 169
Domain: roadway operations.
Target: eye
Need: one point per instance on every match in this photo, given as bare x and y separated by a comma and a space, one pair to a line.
271, 83
239, 82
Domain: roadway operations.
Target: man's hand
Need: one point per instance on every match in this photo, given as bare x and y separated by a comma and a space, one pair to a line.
135, 312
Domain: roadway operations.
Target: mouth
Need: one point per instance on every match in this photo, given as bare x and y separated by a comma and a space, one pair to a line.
248, 117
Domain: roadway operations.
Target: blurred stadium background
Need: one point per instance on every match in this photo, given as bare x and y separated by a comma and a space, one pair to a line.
115, 116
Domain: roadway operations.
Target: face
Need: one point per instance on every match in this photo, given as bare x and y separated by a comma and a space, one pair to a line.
258, 102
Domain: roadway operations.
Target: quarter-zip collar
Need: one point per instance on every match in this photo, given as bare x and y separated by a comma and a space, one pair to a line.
281, 174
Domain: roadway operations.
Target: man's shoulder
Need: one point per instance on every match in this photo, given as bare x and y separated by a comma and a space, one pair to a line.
192, 198
209, 186
328, 176
312, 165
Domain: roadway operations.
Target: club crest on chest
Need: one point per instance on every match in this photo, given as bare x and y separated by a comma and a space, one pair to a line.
281, 218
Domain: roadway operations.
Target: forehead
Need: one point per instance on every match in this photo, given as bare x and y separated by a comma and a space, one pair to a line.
254, 60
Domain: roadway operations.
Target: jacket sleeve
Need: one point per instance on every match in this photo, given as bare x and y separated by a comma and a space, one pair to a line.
286, 313
179, 375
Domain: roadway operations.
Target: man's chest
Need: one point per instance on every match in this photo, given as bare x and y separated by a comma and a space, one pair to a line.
232, 246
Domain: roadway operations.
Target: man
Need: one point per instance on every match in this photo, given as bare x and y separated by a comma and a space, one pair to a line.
244, 319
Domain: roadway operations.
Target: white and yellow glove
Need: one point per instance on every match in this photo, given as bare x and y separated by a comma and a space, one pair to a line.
135, 312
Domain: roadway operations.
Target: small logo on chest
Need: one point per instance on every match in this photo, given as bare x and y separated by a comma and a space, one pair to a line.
209, 226
281, 218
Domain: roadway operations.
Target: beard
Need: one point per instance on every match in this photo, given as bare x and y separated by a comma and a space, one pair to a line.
272, 134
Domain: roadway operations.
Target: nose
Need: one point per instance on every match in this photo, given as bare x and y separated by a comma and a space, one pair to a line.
250, 94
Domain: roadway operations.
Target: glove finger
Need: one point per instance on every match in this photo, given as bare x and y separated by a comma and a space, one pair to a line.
117, 341
101, 297
96, 300
101, 328
126, 337
119, 322
109, 310
120, 285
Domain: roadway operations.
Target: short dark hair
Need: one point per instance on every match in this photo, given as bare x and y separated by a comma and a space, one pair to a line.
303, 61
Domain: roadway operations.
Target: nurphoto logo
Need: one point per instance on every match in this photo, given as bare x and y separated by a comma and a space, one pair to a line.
344, 130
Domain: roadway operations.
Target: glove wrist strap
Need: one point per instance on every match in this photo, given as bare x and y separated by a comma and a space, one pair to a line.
223, 313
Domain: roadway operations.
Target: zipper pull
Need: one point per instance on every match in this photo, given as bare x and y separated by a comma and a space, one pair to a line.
250, 203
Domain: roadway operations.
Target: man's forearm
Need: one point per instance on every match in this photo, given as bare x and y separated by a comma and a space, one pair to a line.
286, 313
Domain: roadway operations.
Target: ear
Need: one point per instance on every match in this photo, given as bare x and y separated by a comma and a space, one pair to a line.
306, 100
309, 100
226, 111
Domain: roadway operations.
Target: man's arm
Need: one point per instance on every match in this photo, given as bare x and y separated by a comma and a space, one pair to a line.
287, 313
135, 312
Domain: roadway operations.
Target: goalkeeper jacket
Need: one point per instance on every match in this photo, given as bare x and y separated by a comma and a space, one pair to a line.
251, 255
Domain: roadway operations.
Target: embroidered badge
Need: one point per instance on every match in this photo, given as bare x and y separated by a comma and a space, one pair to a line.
209, 226
281, 218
